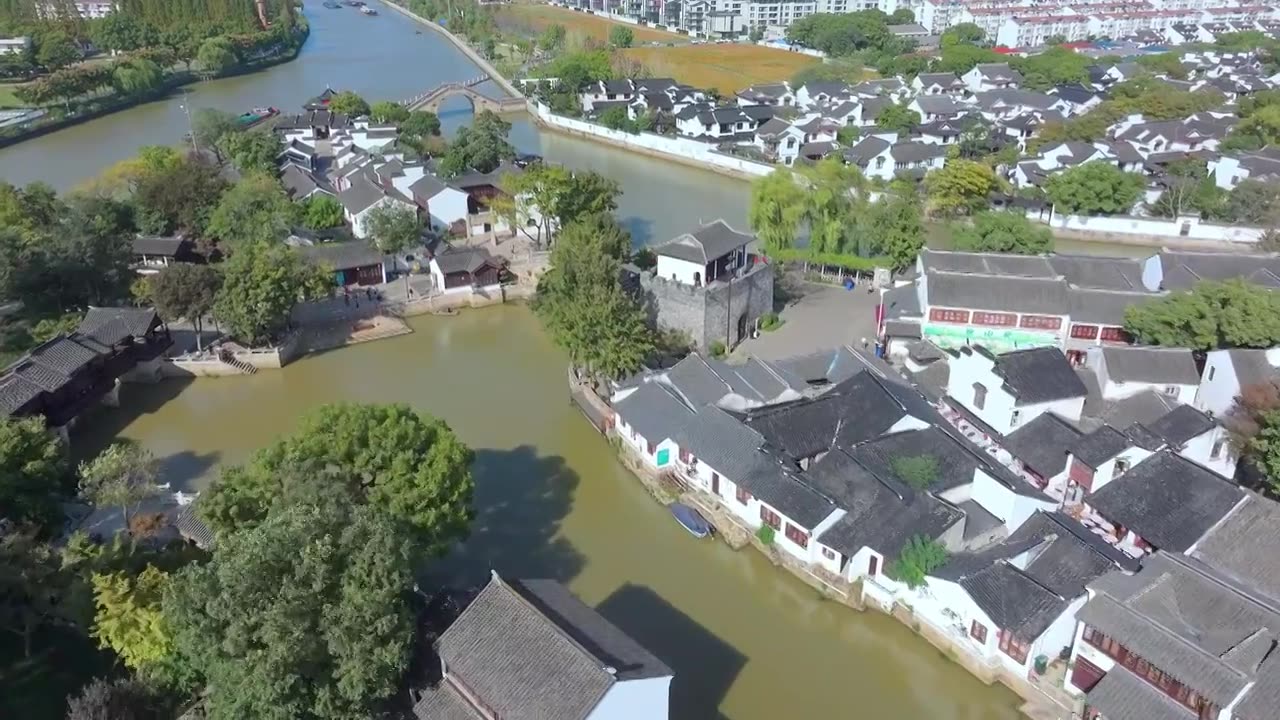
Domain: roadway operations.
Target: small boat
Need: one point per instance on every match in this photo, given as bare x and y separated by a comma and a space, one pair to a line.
332, 5
690, 519
256, 115
368, 10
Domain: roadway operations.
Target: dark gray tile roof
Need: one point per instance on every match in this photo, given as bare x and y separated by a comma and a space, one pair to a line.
779, 487
857, 409
988, 263
1103, 307
15, 392
1182, 424
1246, 545
63, 354
1100, 446
1039, 375
706, 243
1182, 269
463, 259
160, 246
909, 152
111, 325
1124, 696
704, 381
191, 527
881, 514
1046, 296
1168, 366
342, 255
824, 367
1251, 366
955, 463
1103, 273
362, 194
1042, 444
998, 71
1191, 622
721, 441
1167, 500
526, 653
867, 148
444, 703
1144, 407
654, 411
300, 182
1014, 601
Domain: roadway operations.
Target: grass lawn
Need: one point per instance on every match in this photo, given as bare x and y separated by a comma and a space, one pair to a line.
7, 99
728, 68
538, 17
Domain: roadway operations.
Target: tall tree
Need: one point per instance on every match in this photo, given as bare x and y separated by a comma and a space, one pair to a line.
1094, 187
621, 36
1211, 315
582, 302
894, 228
33, 472
407, 464
388, 112
547, 197
898, 118
395, 230
123, 475
216, 56
1004, 232
56, 50
481, 147
321, 212
262, 282
186, 290
255, 209
305, 615
348, 103
178, 198
250, 152
31, 586
959, 187
137, 77
208, 125
129, 620
777, 210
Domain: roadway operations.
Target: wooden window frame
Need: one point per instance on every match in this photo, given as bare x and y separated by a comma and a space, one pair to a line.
797, 536
770, 518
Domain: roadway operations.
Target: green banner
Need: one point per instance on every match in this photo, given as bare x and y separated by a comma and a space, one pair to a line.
991, 338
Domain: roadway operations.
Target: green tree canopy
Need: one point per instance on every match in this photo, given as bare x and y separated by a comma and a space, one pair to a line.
256, 209
918, 558
322, 211
208, 125
388, 112
1055, 66
777, 210
552, 39
420, 124
959, 187
894, 227
304, 616
217, 55
621, 36
251, 152
1093, 188
186, 290
1004, 232
1211, 315
262, 282
56, 50
348, 103
898, 118
137, 77
180, 197
583, 305
962, 33
408, 465
129, 620
33, 472
481, 147
542, 198
122, 475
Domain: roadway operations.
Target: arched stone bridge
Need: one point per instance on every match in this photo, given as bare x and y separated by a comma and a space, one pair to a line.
432, 99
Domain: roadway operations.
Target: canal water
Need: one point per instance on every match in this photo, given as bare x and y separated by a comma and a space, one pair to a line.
746, 641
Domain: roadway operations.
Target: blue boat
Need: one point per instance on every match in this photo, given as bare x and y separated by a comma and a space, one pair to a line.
690, 519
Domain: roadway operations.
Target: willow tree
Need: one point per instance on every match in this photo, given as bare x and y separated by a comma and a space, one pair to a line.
777, 210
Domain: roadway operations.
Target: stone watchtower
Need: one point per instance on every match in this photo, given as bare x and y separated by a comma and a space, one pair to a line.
710, 285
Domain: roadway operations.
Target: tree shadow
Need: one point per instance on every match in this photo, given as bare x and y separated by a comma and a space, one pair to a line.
641, 229
521, 499
788, 289
98, 429
705, 666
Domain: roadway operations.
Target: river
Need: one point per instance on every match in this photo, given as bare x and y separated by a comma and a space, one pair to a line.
746, 640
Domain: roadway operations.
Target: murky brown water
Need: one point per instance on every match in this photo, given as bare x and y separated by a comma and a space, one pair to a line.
747, 642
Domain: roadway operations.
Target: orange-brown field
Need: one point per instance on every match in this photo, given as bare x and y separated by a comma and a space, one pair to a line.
727, 68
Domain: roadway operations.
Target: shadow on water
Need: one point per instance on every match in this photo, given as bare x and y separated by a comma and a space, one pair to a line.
521, 499
100, 428
705, 666
641, 230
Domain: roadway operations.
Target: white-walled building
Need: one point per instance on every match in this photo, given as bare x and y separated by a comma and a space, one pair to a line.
15, 45
1124, 371
1227, 372
1008, 390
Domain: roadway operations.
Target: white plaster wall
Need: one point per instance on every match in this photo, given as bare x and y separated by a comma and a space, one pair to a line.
1106, 472
447, 207
683, 271
1219, 384
1082, 649
647, 699
1199, 449
639, 443
1012, 509
1184, 395
946, 606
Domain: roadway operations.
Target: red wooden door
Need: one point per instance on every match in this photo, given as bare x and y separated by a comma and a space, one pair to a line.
1085, 674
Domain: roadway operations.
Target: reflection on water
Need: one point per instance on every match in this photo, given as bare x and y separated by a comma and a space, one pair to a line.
746, 641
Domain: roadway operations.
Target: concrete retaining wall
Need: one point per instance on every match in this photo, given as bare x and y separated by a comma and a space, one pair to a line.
462, 45
681, 150
1184, 228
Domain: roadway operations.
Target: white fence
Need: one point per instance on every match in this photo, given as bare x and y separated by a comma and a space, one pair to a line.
1189, 228
674, 148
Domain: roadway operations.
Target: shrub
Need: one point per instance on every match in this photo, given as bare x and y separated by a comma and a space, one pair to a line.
717, 349
920, 557
770, 321
765, 535
918, 471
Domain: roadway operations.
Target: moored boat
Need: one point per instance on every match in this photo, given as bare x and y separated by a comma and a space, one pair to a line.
690, 519
332, 5
368, 10
256, 115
